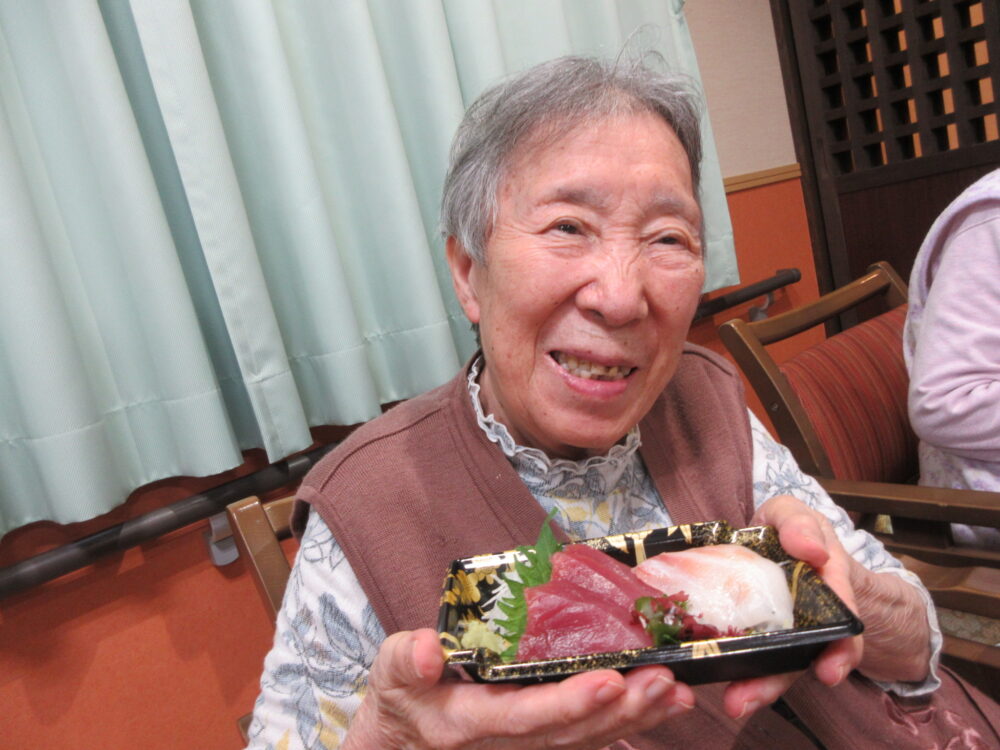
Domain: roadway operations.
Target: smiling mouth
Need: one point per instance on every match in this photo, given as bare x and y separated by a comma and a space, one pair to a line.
581, 368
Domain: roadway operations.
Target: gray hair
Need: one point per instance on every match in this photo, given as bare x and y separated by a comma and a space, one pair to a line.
530, 107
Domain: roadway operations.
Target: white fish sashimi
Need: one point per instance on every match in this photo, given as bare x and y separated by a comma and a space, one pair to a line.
728, 586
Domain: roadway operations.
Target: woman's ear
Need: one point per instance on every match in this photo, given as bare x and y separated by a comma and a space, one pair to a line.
461, 265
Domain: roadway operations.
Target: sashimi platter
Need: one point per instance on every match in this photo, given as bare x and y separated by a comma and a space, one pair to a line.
711, 602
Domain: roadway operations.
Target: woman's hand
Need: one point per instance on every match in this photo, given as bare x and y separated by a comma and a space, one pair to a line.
896, 642
807, 536
408, 705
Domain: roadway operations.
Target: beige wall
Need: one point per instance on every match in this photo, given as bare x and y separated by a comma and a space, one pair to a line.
738, 60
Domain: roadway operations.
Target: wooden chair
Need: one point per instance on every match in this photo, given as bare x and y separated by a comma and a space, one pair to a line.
840, 407
966, 607
258, 529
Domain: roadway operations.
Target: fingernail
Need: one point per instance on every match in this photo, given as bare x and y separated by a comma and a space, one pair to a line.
842, 674
748, 708
678, 708
415, 661
658, 687
609, 691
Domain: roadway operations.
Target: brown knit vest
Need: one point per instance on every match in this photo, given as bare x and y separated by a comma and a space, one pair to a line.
422, 485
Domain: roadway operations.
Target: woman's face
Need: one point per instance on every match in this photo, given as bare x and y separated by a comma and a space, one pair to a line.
592, 275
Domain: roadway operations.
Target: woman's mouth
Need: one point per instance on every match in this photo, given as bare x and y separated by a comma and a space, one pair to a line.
581, 368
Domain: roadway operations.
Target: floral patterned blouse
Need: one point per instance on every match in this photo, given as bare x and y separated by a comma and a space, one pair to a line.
327, 633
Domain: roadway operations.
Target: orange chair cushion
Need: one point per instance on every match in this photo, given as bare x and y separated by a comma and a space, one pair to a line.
853, 389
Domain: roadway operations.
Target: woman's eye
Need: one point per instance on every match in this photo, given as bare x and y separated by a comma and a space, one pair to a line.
568, 228
670, 239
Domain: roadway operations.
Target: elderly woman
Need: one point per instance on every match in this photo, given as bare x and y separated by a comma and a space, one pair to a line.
574, 240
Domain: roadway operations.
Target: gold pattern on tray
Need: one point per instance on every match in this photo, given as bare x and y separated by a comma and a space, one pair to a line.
618, 542
796, 575
640, 549
685, 529
701, 649
449, 643
639, 542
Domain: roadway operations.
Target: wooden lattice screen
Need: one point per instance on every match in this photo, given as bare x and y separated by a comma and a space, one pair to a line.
902, 79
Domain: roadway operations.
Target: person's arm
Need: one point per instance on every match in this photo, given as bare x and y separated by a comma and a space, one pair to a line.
326, 639
954, 395
902, 639
896, 642
897, 632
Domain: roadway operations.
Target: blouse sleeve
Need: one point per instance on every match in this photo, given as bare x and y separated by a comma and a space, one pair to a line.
775, 472
325, 642
954, 397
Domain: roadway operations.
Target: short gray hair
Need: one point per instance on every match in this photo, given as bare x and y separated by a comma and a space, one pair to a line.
531, 106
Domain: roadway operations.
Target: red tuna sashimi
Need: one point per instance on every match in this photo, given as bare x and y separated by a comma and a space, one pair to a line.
567, 620
600, 574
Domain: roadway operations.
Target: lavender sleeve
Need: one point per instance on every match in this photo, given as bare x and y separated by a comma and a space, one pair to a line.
954, 394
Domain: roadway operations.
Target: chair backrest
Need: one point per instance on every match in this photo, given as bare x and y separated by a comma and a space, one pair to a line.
839, 406
258, 529
853, 388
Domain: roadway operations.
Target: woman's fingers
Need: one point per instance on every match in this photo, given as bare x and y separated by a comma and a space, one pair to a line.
799, 529
838, 659
583, 708
806, 535
587, 710
650, 697
746, 696
428, 658
408, 660
537, 710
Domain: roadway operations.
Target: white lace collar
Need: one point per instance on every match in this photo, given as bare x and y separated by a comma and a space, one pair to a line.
534, 461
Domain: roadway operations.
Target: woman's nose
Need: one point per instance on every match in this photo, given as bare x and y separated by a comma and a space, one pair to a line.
616, 292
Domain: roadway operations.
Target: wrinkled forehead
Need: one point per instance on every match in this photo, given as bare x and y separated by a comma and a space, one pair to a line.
556, 130
556, 133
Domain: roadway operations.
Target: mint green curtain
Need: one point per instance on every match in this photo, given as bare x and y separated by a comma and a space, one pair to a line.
218, 220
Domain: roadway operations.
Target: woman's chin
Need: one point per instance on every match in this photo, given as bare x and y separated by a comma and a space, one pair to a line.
580, 444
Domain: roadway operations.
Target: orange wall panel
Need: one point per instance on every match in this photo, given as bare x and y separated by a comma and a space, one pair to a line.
153, 647
771, 233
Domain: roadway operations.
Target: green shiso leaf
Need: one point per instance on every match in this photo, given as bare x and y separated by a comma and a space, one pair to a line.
534, 570
653, 617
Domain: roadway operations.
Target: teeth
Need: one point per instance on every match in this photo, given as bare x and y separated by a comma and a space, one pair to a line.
591, 370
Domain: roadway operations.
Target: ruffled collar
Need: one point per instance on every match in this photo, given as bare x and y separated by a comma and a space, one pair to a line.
532, 462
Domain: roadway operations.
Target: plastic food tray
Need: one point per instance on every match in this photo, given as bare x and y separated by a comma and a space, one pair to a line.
473, 586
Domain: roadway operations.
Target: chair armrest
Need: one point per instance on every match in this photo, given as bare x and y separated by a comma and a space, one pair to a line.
974, 589
976, 662
260, 547
914, 501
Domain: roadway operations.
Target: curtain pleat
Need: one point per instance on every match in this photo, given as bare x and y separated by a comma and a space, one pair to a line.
218, 220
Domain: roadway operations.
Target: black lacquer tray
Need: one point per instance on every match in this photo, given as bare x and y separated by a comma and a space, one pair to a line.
474, 584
